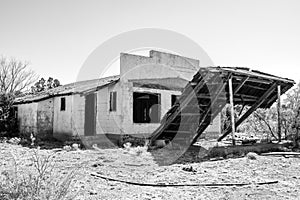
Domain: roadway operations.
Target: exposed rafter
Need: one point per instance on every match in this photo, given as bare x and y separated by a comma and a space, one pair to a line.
253, 108
236, 90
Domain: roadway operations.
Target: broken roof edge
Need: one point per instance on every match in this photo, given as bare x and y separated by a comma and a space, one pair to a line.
67, 89
249, 72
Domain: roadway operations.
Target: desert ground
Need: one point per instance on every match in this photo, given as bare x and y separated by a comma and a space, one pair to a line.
82, 167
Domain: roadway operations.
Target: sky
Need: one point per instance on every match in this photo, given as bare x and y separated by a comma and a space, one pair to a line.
57, 36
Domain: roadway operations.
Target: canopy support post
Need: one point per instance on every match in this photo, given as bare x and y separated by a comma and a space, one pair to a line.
232, 110
279, 112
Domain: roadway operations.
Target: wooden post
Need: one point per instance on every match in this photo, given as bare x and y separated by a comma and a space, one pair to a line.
232, 110
258, 103
279, 112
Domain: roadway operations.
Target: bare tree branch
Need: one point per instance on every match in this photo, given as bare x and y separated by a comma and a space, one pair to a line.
15, 76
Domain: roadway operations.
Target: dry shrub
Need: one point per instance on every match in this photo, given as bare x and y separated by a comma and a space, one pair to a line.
136, 150
40, 182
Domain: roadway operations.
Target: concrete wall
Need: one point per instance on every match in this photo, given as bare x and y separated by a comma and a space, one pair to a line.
36, 118
69, 122
158, 65
145, 129
109, 121
121, 120
27, 117
78, 111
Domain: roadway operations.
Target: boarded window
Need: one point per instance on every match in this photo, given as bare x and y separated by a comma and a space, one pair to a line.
146, 108
113, 101
62, 103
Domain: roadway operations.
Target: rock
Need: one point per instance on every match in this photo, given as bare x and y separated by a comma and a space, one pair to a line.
14, 140
127, 145
93, 192
97, 164
160, 143
189, 169
75, 146
252, 156
67, 148
216, 159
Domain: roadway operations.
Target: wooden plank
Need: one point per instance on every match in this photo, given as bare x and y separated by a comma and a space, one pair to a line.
255, 87
253, 79
174, 114
279, 112
246, 96
249, 112
236, 90
281, 154
176, 131
190, 114
232, 110
200, 128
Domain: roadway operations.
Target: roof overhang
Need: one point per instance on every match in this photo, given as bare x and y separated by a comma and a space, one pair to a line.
250, 85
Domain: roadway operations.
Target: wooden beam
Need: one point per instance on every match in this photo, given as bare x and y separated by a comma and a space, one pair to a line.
272, 99
191, 93
224, 98
247, 95
215, 97
249, 112
255, 87
231, 110
254, 79
218, 109
240, 85
279, 112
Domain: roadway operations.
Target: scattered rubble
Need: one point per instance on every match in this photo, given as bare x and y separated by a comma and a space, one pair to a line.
114, 163
189, 169
14, 140
75, 146
252, 156
67, 148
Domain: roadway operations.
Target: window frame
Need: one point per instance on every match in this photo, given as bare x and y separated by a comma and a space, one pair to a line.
113, 101
63, 104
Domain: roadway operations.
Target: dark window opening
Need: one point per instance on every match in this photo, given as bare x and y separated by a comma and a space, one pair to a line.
113, 101
15, 112
62, 103
174, 99
146, 108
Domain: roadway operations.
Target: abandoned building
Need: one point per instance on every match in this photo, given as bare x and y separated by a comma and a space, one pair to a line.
163, 96
133, 102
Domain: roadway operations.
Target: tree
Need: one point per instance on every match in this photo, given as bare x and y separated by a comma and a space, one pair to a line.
261, 123
15, 78
292, 104
265, 121
42, 85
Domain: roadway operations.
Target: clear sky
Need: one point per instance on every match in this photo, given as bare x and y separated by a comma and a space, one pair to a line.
56, 36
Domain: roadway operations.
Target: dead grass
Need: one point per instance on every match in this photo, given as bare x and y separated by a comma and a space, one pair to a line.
38, 182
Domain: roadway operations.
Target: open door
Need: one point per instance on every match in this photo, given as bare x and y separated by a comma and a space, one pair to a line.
90, 115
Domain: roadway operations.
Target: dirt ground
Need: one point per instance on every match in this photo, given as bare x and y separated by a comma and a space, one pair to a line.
139, 166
